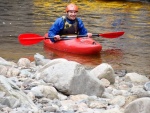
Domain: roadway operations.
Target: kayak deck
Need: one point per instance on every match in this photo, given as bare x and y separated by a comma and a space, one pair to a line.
79, 45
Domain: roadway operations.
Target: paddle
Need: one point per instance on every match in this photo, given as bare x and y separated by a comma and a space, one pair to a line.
30, 38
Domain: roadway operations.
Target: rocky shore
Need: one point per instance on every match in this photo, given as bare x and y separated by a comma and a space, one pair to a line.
62, 86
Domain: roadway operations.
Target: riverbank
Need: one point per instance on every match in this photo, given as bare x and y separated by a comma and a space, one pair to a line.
62, 86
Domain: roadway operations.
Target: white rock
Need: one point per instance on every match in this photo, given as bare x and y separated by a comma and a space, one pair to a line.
107, 95
40, 59
105, 82
13, 72
139, 106
78, 97
136, 78
3, 70
104, 70
114, 110
71, 78
97, 104
4, 62
116, 92
31, 95
12, 89
45, 91
118, 100
62, 96
24, 63
50, 63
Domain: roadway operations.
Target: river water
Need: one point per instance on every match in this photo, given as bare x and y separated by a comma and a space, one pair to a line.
131, 51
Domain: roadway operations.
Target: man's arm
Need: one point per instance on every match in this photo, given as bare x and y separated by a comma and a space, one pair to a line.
55, 29
82, 29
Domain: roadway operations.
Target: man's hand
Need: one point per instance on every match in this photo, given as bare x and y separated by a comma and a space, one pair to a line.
57, 37
89, 35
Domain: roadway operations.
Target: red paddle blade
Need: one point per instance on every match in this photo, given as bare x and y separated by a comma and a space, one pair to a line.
30, 39
112, 34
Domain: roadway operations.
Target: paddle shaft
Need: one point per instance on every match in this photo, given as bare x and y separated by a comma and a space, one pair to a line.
73, 36
67, 37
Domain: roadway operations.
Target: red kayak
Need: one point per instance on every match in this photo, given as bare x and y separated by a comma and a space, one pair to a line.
81, 45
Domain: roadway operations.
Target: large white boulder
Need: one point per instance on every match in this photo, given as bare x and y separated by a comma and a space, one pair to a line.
71, 78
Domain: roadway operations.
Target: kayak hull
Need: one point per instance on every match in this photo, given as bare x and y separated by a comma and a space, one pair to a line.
79, 45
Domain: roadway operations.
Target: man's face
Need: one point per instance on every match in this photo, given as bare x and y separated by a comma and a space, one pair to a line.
72, 14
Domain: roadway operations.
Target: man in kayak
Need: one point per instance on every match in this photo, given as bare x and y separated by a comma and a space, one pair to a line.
68, 25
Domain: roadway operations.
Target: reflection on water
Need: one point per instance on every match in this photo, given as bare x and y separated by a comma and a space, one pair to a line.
90, 60
131, 51
110, 55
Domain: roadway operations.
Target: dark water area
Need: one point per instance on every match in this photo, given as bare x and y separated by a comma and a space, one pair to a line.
131, 51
